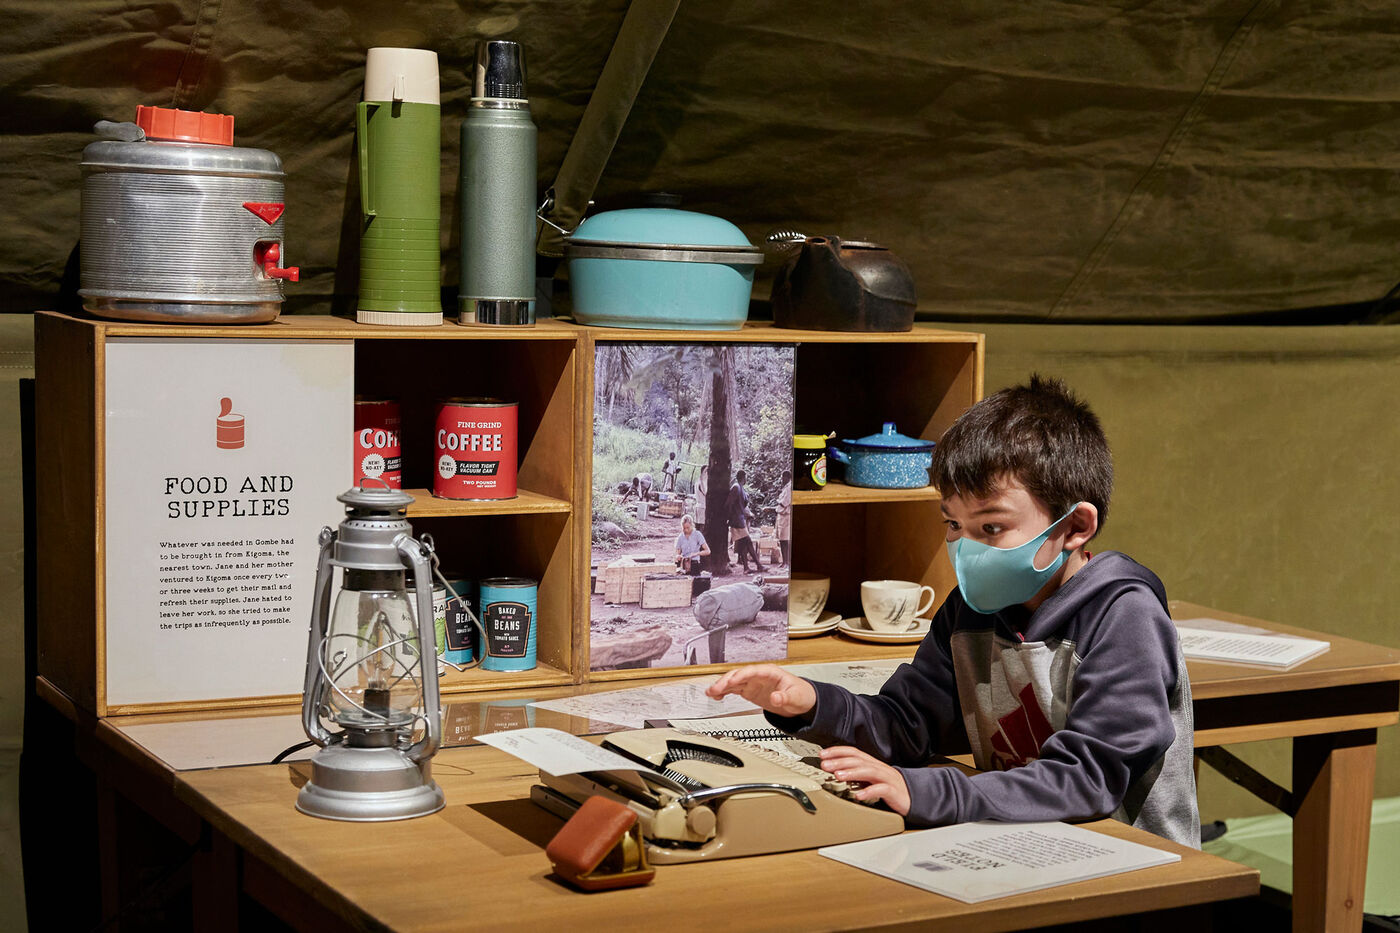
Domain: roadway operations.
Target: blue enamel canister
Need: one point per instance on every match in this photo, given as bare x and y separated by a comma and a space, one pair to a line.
508, 615
888, 460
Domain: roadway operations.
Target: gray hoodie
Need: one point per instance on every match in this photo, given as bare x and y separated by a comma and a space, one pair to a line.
1077, 711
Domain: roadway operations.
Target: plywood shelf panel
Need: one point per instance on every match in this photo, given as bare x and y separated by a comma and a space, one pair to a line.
455, 683
330, 327
426, 505
838, 493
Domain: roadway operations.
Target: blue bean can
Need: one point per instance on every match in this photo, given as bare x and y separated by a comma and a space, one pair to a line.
508, 615
461, 633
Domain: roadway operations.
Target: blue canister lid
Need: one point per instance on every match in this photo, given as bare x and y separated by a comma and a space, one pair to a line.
890, 439
661, 226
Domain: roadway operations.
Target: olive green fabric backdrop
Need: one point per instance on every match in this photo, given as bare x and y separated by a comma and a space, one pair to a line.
1091, 160
1255, 472
1086, 161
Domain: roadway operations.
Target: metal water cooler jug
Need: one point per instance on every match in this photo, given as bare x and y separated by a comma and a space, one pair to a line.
180, 225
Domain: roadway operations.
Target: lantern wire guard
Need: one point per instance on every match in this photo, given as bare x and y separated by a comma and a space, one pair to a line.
365, 669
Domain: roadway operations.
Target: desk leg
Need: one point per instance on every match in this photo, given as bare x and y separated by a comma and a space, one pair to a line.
1333, 784
109, 855
215, 883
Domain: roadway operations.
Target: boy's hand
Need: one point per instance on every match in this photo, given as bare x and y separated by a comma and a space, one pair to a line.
767, 686
882, 781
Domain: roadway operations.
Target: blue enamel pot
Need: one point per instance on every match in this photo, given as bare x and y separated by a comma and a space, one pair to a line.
888, 460
662, 269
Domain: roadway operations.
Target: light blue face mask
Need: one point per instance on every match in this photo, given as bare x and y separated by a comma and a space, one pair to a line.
992, 578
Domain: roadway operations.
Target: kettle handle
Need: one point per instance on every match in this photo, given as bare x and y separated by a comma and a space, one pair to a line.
838, 455
362, 139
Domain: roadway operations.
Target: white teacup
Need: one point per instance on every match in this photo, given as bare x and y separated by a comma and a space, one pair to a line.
894, 605
807, 593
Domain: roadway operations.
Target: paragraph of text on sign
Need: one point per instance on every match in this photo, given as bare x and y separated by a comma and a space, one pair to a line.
225, 583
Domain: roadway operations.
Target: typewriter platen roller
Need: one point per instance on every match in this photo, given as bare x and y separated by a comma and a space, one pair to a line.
708, 797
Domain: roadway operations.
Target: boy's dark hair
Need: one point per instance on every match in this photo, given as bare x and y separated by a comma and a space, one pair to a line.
1039, 433
739, 477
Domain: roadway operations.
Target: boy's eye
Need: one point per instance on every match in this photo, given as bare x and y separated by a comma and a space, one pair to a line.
952, 525
992, 530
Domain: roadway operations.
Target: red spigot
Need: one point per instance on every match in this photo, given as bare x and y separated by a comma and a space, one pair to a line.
267, 256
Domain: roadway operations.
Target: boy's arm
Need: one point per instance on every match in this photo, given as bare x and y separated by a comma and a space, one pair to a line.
1119, 725
906, 723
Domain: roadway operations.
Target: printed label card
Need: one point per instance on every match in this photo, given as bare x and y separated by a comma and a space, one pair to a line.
223, 459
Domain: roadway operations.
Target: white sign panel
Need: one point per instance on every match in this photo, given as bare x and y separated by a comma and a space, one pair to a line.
223, 461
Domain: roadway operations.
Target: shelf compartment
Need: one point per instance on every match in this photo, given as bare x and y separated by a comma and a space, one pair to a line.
537, 546
537, 375
426, 505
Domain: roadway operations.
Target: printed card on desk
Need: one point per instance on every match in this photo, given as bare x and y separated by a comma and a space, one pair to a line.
556, 752
1209, 644
974, 862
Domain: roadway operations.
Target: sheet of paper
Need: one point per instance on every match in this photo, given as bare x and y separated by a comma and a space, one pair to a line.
631, 708
1209, 644
855, 676
555, 752
974, 862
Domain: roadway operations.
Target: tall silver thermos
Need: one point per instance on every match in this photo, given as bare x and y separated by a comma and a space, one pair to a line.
497, 192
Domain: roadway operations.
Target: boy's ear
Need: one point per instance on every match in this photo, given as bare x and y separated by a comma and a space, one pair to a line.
1083, 525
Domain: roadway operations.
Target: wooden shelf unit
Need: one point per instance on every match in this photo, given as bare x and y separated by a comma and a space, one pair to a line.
847, 383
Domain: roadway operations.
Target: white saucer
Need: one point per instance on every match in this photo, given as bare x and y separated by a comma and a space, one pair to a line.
857, 627
825, 622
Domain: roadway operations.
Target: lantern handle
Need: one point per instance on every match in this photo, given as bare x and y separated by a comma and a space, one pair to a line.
452, 594
314, 687
419, 557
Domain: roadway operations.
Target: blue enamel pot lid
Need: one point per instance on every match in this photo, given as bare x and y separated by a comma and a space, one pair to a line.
662, 233
889, 441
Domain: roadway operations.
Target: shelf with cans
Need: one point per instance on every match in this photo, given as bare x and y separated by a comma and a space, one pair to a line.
845, 385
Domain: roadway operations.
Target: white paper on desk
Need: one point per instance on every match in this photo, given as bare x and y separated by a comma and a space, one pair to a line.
974, 862
631, 708
555, 752
1211, 644
855, 676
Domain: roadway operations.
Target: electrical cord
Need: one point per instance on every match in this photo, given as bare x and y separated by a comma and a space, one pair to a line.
291, 750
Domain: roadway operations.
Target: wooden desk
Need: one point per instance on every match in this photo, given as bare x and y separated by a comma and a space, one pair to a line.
480, 864
1331, 707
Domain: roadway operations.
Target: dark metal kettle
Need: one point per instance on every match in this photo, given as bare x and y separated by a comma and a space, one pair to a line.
845, 285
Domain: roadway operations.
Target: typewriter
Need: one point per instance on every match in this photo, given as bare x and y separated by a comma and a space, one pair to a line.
702, 797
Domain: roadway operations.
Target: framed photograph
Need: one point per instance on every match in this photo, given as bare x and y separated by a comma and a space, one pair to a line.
692, 503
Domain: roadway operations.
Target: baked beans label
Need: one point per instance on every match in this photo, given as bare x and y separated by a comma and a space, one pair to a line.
474, 450
507, 629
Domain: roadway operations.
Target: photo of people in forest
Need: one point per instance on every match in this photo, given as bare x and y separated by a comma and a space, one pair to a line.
692, 503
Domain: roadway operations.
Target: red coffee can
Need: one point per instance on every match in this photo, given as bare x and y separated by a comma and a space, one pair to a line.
378, 450
474, 449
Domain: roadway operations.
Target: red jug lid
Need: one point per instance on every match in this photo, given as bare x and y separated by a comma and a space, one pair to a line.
189, 126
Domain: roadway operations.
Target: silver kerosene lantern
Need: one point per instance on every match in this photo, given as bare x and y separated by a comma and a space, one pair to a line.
365, 671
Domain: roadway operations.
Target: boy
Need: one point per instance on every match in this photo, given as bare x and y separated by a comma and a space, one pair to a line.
1062, 673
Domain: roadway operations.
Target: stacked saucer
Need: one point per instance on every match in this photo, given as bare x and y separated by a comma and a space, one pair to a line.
826, 622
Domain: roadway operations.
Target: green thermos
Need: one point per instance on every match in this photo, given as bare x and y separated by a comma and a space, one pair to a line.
497, 191
399, 136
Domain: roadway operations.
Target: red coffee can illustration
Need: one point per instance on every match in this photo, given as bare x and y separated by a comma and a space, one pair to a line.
474, 449
228, 427
378, 449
